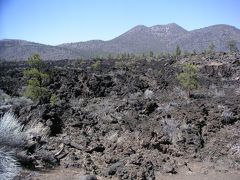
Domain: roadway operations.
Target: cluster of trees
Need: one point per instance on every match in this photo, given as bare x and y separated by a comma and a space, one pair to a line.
37, 78
176, 54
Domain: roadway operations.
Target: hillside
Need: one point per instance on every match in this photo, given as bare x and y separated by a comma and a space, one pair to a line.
163, 38
199, 39
137, 40
17, 50
140, 39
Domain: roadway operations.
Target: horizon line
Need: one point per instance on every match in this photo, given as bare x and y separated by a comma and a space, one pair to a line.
82, 41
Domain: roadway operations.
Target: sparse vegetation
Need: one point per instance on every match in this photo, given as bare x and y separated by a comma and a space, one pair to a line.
96, 65
232, 45
36, 79
140, 106
188, 78
15, 139
151, 54
79, 62
177, 52
210, 49
194, 52
53, 99
109, 56
227, 115
119, 64
170, 128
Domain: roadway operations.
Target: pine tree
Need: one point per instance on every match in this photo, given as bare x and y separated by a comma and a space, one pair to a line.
36, 78
177, 52
188, 78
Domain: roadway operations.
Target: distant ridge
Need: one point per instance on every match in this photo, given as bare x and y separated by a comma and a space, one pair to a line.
140, 39
20, 50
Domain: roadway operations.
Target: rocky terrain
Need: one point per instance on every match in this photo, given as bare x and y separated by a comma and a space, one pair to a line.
138, 40
131, 119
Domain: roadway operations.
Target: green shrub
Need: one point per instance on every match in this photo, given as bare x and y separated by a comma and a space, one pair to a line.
35, 92
188, 78
79, 62
119, 64
96, 65
151, 54
177, 53
35, 61
34, 73
36, 79
53, 99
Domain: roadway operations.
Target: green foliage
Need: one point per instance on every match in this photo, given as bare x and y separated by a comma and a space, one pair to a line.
34, 82
151, 54
53, 99
36, 92
233, 46
97, 58
36, 79
36, 74
35, 61
188, 78
123, 56
79, 62
96, 65
177, 52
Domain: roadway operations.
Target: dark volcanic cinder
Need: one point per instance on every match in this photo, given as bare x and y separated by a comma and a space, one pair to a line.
134, 121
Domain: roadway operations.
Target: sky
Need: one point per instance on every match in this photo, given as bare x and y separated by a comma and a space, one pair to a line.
60, 21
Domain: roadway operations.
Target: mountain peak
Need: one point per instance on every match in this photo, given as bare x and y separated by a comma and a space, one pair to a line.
168, 28
138, 28
139, 39
172, 25
171, 29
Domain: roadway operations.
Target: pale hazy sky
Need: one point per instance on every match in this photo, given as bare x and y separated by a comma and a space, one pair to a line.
58, 21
